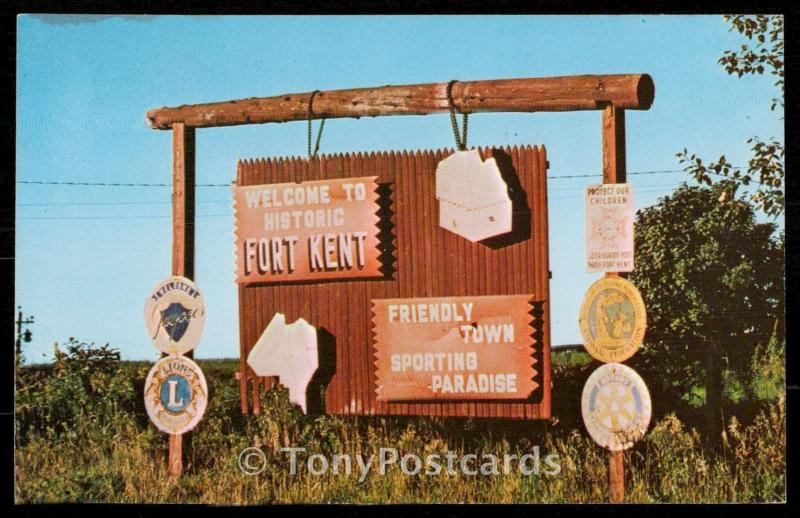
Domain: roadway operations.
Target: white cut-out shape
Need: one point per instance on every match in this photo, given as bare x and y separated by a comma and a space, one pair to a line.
288, 352
473, 197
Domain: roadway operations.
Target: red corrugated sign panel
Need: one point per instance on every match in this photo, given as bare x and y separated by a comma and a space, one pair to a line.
418, 260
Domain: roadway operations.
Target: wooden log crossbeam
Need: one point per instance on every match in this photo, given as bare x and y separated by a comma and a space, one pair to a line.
567, 93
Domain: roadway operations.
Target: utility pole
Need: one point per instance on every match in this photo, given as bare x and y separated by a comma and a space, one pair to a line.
26, 336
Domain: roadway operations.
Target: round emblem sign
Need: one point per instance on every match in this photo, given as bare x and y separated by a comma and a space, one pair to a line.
616, 406
175, 394
175, 315
612, 319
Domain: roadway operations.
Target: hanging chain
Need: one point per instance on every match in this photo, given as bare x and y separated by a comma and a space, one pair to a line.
321, 126
461, 140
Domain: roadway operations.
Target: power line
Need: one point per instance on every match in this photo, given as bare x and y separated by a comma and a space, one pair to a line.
592, 175
118, 217
203, 216
109, 184
210, 202
114, 203
118, 184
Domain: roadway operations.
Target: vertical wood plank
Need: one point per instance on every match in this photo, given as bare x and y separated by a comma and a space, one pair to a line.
339, 164
255, 381
362, 345
533, 253
544, 244
242, 177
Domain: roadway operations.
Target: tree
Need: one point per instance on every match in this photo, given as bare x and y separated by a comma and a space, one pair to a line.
712, 281
766, 167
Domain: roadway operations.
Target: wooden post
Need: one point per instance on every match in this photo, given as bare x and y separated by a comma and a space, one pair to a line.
616, 477
183, 200
614, 172
183, 180
175, 454
614, 145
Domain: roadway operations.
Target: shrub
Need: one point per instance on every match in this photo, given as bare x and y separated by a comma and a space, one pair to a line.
86, 392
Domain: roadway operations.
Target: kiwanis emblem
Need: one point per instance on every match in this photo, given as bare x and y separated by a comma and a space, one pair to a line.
616, 406
175, 394
612, 319
175, 314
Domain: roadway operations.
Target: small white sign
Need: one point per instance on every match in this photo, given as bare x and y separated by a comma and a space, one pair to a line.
609, 227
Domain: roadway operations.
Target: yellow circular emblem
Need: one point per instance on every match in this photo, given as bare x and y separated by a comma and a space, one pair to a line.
612, 319
616, 406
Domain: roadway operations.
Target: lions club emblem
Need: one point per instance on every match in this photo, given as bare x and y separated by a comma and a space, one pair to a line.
175, 394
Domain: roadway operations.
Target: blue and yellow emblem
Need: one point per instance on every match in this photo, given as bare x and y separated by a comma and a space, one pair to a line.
175, 394
175, 315
616, 406
612, 319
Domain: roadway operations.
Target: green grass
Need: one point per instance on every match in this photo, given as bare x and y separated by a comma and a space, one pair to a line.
83, 436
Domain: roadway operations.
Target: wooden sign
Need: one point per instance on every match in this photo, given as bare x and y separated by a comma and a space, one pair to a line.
419, 260
175, 394
612, 319
309, 231
175, 315
288, 352
454, 348
616, 406
609, 227
473, 198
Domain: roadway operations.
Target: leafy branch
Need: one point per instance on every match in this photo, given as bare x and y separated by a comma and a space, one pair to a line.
766, 168
767, 54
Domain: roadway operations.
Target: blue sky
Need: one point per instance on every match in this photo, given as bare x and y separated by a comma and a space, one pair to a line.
87, 257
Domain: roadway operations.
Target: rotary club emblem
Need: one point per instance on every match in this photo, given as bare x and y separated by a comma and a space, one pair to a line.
616, 406
612, 319
175, 394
